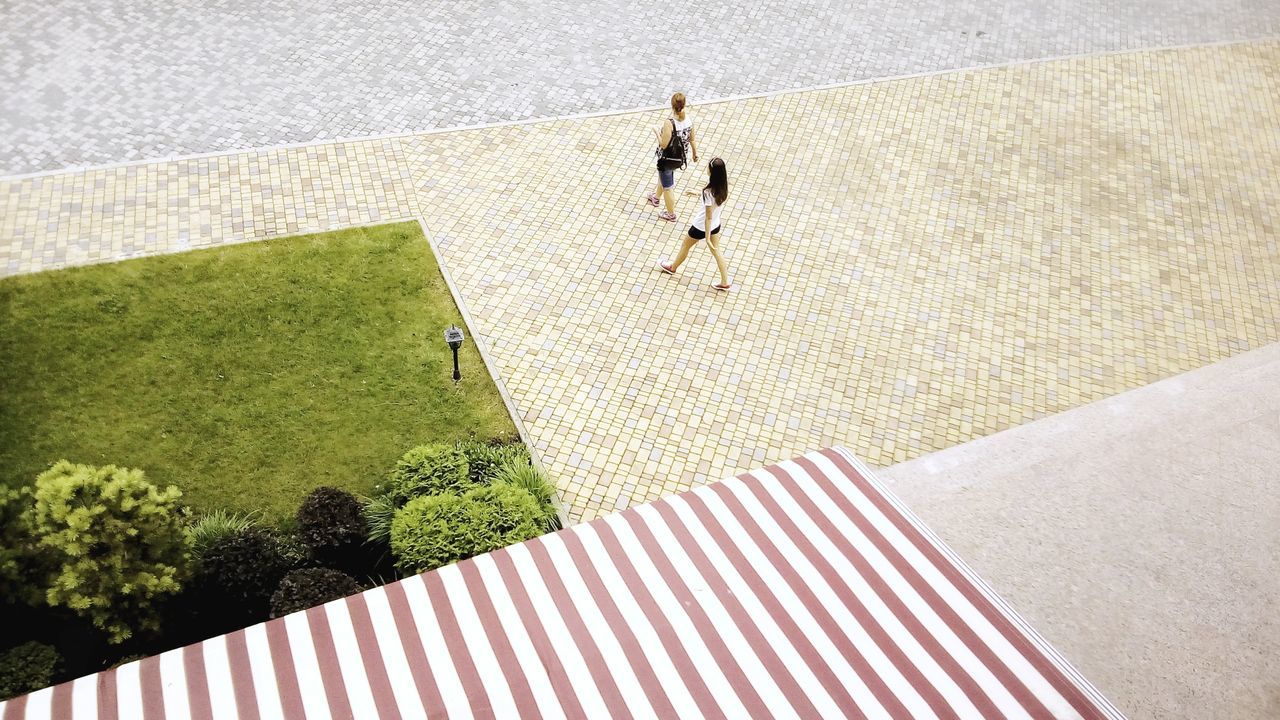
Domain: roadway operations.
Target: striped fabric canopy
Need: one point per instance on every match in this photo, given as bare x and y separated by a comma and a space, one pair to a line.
803, 590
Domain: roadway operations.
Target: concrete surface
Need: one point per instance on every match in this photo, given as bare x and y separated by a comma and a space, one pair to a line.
1140, 534
114, 80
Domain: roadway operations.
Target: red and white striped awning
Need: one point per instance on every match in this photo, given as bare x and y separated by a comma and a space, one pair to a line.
803, 590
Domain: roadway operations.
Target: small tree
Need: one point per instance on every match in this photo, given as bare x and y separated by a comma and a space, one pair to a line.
113, 543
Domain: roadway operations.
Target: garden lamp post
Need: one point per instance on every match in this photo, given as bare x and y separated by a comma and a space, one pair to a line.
454, 337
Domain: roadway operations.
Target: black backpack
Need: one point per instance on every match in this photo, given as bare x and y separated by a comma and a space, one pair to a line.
672, 157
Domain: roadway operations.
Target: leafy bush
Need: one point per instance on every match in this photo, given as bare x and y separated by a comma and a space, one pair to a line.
429, 532
113, 543
239, 574
307, 588
331, 521
521, 474
379, 511
296, 554
507, 514
213, 526
430, 470
485, 459
15, 548
432, 531
27, 668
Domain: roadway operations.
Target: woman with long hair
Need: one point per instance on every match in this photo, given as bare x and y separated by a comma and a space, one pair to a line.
714, 196
676, 127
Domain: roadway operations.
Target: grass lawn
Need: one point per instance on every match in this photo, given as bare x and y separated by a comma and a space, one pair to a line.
245, 375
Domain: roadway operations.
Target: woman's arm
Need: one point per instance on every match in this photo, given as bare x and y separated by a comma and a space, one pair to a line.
693, 144
707, 224
664, 134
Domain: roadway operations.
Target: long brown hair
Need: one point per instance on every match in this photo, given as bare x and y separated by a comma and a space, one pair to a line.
718, 183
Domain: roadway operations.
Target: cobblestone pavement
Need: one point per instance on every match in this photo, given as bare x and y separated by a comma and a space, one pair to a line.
95, 83
920, 261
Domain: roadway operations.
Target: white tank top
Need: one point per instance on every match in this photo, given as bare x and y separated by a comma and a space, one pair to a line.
700, 215
683, 128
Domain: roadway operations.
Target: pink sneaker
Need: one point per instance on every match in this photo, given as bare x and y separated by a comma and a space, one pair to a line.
653, 200
669, 217
666, 268
722, 287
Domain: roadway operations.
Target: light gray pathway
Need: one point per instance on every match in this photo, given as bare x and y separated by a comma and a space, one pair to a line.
1140, 534
93, 83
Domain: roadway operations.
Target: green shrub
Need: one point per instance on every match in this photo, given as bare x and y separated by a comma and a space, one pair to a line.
302, 589
213, 526
239, 574
519, 473
430, 470
429, 532
113, 542
27, 668
296, 554
16, 558
331, 521
432, 531
508, 515
379, 511
485, 459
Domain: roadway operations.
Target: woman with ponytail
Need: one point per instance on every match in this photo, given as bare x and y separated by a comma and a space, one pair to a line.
674, 136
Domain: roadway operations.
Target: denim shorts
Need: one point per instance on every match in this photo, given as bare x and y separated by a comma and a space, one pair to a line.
667, 178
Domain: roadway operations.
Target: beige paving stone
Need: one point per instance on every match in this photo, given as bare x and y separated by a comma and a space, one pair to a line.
101, 215
919, 262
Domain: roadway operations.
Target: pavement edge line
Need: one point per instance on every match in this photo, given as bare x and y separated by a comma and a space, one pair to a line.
491, 368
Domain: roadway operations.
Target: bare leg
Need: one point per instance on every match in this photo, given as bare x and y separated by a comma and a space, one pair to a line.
684, 252
714, 244
669, 198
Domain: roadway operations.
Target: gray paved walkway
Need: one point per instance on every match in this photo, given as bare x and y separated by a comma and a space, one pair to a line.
1139, 534
94, 83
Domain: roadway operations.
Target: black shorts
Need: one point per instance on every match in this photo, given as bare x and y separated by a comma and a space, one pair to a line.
696, 234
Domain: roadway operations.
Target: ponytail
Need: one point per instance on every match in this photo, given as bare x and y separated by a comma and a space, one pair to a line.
677, 105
